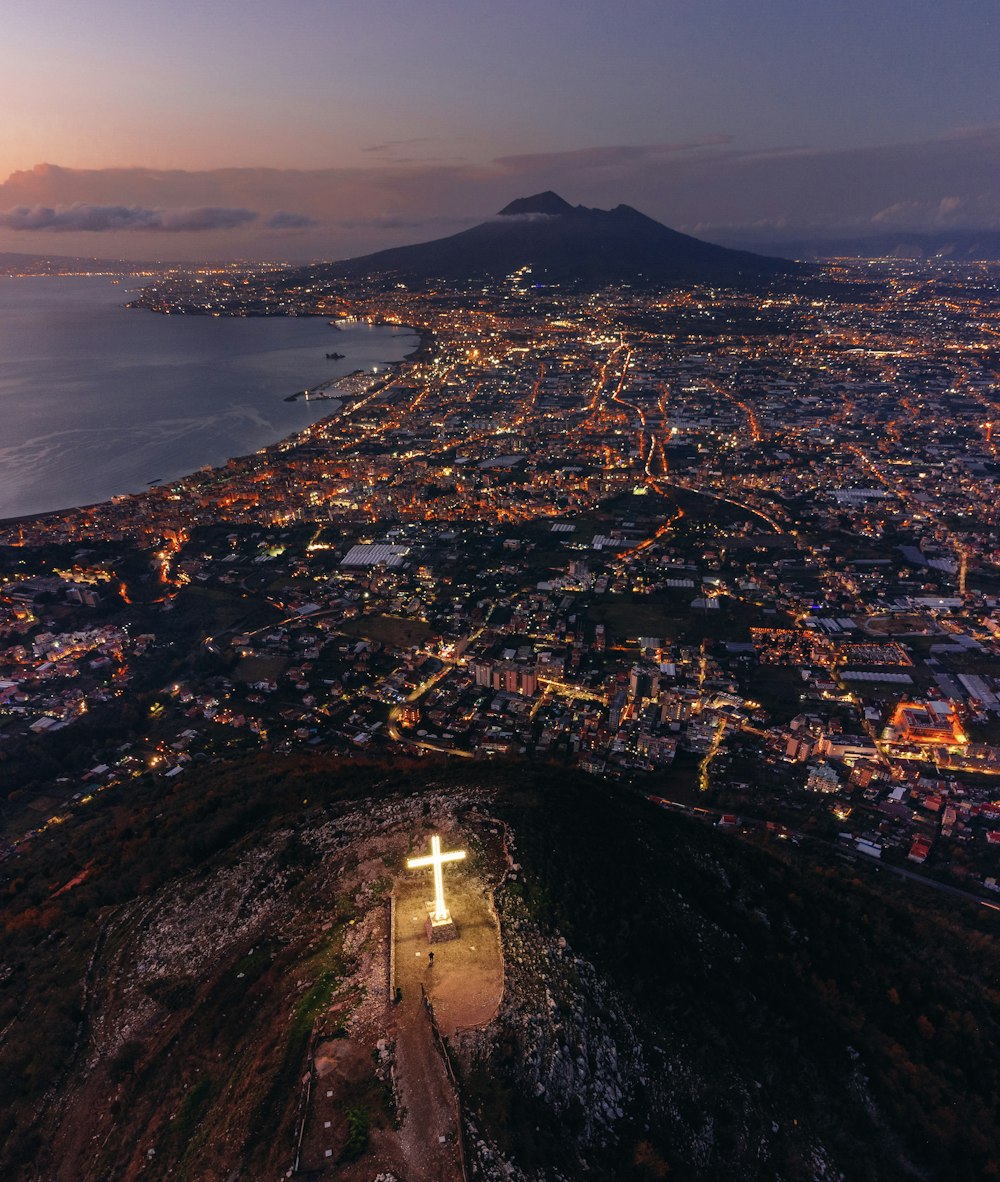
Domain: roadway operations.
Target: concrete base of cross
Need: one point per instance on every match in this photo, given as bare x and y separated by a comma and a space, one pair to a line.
439, 930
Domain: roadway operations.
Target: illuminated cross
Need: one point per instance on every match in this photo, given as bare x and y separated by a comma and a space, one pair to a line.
436, 859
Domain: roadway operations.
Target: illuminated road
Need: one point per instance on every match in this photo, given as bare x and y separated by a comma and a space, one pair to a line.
392, 724
846, 851
566, 690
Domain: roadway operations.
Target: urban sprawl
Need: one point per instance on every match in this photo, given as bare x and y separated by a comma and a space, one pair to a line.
739, 552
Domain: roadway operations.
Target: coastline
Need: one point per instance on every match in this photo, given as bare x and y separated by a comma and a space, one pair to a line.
333, 391
394, 368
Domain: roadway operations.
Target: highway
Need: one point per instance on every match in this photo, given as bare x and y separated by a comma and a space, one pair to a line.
844, 851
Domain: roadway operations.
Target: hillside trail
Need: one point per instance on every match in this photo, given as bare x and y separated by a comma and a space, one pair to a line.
464, 983
429, 1133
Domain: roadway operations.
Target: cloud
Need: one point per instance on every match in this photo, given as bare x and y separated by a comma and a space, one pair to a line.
210, 217
977, 212
710, 186
392, 221
898, 212
608, 156
527, 218
113, 218
392, 145
283, 220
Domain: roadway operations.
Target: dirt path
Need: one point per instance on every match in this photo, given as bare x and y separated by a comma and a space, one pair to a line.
465, 985
429, 1133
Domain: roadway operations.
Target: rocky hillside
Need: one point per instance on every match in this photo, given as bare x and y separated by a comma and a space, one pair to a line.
194, 985
693, 1007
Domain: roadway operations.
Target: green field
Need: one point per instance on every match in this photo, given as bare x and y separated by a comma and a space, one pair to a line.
260, 668
398, 631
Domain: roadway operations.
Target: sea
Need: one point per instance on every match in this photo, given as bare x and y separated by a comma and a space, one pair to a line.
97, 399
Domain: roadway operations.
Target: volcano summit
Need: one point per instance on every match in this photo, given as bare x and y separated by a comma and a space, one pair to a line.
570, 244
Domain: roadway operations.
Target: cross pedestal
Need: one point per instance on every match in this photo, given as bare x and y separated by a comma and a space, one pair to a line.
439, 925
439, 930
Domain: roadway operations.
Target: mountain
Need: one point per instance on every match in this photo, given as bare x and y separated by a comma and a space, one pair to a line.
963, 246
568, 244
57, 264
194, 983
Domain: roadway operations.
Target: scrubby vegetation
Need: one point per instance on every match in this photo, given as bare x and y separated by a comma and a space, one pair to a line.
798, 1000
858, 1014
121, 854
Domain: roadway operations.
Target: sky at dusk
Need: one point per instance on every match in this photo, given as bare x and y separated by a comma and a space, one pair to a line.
326, 128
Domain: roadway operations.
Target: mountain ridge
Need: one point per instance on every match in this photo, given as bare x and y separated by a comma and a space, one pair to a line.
566, 244
547, 203
960, 246
727, 1009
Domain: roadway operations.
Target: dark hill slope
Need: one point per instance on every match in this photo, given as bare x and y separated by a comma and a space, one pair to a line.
803, 1015
568, 244
753, 1013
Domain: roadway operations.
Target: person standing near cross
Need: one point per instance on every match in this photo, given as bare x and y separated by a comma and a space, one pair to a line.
439, 924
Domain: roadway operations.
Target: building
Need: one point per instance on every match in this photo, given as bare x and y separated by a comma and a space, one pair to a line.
822, 778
